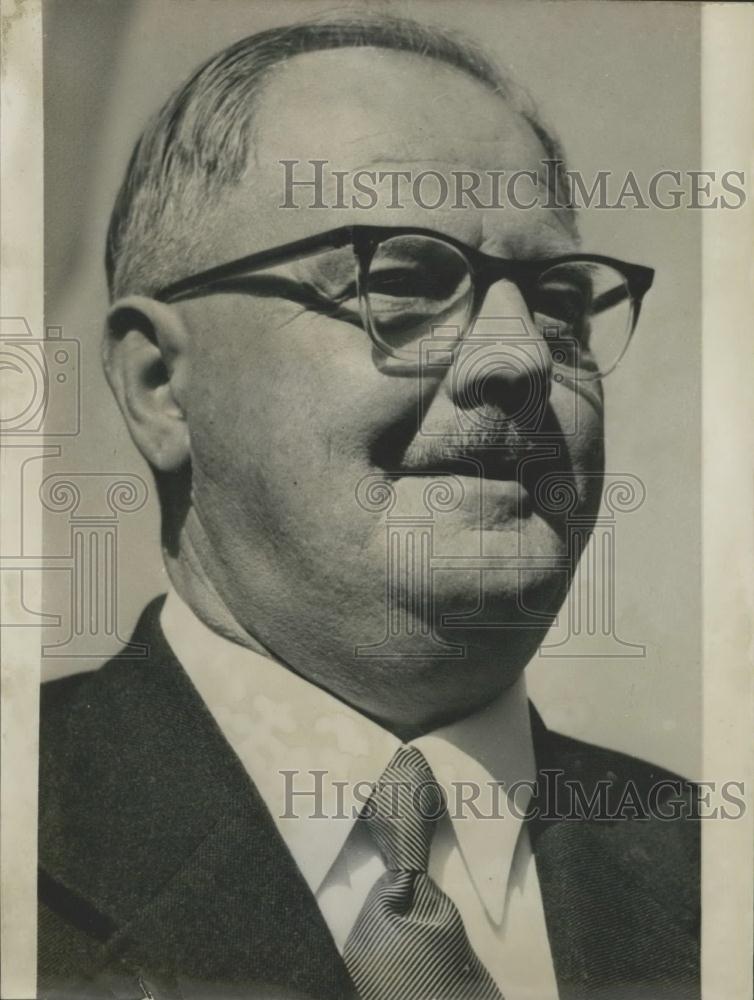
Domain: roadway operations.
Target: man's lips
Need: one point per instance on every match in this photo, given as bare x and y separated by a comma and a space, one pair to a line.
486, 463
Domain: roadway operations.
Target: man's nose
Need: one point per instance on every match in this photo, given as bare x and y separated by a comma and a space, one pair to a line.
503, 362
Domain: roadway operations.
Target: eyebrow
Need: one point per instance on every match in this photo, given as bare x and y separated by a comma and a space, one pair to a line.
545, 239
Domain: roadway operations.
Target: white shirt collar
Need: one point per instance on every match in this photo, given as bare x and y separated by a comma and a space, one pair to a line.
292, 737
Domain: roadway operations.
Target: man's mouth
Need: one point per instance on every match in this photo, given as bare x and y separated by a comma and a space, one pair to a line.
486, 462
500, 461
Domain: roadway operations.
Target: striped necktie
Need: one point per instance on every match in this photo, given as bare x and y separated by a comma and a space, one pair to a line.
409, 941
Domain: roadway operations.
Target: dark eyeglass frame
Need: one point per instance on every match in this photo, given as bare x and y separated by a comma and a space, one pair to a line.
484, 270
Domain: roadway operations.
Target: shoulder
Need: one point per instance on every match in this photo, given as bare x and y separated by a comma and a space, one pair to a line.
97, 736
95, 705
624, 773
639, 820
125, 749
617, 779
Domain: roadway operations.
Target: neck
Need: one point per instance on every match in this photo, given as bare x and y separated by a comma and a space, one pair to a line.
194, 586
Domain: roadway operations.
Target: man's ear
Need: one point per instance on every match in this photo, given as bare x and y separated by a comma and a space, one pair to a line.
145, 356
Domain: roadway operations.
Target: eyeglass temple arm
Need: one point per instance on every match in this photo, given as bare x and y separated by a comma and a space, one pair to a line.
619, 294
611, 298
256, 261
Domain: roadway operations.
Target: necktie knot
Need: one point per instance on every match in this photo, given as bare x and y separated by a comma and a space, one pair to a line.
403, 810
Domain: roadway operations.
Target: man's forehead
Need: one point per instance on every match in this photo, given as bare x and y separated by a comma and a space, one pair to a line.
386, 112
356, 106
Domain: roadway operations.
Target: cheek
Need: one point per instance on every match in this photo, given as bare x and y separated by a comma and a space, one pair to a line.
579, 411
289, 403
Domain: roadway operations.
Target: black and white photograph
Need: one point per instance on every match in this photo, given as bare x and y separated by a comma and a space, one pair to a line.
377, 537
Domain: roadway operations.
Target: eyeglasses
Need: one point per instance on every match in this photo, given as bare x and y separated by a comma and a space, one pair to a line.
408, 283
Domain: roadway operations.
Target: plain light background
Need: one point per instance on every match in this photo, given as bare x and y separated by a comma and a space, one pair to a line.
620, 83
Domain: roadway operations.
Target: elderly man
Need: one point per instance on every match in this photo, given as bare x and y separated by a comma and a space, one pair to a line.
325, 779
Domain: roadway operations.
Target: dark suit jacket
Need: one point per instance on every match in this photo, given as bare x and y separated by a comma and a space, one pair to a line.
162, 872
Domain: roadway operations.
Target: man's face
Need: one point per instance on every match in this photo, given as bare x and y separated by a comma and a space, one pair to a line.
290, 410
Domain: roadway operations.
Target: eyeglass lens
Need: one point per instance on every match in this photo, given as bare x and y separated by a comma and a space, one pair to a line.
417, 285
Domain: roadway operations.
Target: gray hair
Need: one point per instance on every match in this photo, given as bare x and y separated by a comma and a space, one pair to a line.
196, 146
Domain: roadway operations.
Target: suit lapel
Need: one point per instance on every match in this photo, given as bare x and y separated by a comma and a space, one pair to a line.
238, 912
177, 853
